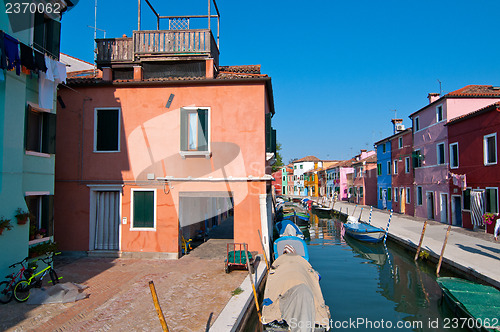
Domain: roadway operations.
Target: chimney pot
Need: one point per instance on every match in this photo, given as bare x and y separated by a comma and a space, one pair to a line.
433, 97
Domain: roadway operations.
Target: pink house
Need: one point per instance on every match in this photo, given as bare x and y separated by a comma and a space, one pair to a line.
364, 185
339, 179
430, 146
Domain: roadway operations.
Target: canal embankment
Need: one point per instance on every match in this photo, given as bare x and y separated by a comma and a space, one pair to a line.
467, 252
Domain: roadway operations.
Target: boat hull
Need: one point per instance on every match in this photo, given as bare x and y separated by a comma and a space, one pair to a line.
364, 232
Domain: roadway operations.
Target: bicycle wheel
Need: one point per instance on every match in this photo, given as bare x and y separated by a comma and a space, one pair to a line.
22, 291
6, 292
53, 276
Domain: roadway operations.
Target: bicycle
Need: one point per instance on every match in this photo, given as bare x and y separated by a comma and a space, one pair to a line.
23, 287
7, 286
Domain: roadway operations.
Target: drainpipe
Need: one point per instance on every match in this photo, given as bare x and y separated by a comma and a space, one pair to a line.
264, 222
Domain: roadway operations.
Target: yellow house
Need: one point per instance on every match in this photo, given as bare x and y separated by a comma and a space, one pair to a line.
311, 183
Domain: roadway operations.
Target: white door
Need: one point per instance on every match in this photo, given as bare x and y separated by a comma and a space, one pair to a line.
107, 220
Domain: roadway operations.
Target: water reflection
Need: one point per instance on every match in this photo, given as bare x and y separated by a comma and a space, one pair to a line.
372, 284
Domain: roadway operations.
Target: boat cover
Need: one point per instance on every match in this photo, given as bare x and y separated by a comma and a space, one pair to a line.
293, 287
288, 228
297, 243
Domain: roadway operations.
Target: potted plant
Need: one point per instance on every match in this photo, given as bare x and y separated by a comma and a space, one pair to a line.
42, 249
22, 216
4, 224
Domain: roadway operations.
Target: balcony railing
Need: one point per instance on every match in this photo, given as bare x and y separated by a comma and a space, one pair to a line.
147, 44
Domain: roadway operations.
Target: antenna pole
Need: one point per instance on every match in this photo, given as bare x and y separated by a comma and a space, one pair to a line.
439, 87
95, 36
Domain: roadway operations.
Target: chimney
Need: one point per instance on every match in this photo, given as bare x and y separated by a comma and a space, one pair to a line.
397, 125
433, 97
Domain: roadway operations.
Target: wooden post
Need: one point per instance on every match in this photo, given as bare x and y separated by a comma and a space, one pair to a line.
264, 249
157, 306
442, 250
421, 240
253, 286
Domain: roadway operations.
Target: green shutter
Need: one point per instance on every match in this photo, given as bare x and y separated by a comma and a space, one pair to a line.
49, 133
184, 130
273, 140
47, 214
53, 41
268, 132
39, 31
202, 130
143, 209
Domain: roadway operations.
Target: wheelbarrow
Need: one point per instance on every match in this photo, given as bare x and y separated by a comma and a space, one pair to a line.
236, 258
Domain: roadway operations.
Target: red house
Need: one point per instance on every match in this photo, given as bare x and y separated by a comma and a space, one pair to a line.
474, 176
278, 182
402, 174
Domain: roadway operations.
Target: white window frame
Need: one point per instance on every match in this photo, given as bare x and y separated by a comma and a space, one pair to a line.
395, 167
396, 194
416, 123
119, 128
485, 149
407, 165
155, 205
421, 197
451, 154
437, 154
438, 108
408, 194
498, 207
208, 153
400, 142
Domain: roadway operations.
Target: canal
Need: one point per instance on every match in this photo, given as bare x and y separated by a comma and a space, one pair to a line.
375, 287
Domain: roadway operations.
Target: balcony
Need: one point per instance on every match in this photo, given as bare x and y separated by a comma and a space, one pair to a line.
156, 45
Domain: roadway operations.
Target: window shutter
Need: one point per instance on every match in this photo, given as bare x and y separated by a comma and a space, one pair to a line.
39, 31
184, 130
143, 209
53, 41
48, 214
49, 133
273, 140
268, 132
202, 130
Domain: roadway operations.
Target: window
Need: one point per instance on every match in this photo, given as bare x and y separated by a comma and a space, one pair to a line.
383, 148
379, 169
360, 191
407, 164
395, 194
491, 197
400, 142
143, 208
41, 208
454, 155
284, 177
416, 123
195, 131
294, 166
439, 113
466, 194
302, 177
490, 149
417, 159
408, 193
440, 154
107, 130
389, 194
47, 34
40, 134
389, 167
395, 169
380, 193
419, 195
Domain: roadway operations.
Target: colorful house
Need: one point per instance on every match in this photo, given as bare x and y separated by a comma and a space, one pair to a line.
300, 166
430, 146
311, 183
474, 167
29, 74
278, 182
364, 185
384, 175
402, 172
340, 178
165, 145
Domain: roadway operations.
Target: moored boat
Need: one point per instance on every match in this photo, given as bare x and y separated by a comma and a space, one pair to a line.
293, 297
288, 228
478, 304
298, 245
364, 232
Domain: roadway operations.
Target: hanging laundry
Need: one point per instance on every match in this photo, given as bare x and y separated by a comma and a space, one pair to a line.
27, 59
49, 74
477, 207
40, 61
459, 180
11, 48
46, 90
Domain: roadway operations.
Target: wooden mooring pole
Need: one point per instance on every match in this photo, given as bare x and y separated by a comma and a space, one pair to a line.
157, 306
421, 240
253, 287
442, 250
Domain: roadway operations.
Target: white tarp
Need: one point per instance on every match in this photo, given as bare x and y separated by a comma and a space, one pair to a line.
59, 293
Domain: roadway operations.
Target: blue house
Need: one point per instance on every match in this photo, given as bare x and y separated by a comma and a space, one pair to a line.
384, 171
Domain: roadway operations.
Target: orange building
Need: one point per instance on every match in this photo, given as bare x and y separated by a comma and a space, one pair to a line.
165, 145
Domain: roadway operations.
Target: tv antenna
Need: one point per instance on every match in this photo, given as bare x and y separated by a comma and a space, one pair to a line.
439, 86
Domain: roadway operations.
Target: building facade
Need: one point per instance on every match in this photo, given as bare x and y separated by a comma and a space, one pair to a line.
300, 166
364, 186
384, 175
402, 175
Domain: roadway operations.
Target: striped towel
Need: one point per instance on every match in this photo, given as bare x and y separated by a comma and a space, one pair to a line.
477, 207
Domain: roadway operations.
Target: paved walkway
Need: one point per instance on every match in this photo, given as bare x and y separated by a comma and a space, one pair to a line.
472, 252
192, 291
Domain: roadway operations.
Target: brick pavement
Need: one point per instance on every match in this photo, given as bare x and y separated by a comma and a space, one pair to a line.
192, 292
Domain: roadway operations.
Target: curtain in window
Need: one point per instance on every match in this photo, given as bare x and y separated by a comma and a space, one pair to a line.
107, 220
477, 207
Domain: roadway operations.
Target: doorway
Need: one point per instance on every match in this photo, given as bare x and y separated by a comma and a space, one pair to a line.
456, 210
105, 219
430, 205
443, 206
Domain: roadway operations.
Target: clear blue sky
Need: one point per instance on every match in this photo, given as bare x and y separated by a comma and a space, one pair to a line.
339, 68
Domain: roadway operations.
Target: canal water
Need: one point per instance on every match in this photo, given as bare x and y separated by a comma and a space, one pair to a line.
375, 287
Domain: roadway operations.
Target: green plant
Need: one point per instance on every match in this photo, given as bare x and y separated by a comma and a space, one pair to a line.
22, 216
489, 218
237, 291
4, 224
424, 255
43, 248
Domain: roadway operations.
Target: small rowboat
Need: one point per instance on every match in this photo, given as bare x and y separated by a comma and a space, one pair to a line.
364, 232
